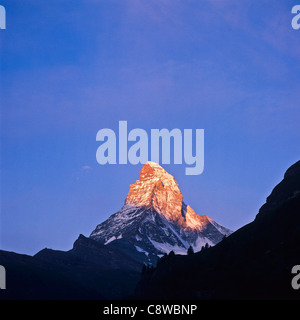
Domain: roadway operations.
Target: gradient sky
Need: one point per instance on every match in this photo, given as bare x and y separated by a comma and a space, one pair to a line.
70, 68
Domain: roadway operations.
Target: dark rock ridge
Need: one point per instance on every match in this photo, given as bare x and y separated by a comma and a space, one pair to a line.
89, 270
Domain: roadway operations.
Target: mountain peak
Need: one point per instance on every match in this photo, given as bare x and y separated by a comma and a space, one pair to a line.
156, 190
285, 191
156, 220
153, 165
159, 191
152, 170
293, 170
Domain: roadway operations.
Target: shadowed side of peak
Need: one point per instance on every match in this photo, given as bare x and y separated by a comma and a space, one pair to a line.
287, 190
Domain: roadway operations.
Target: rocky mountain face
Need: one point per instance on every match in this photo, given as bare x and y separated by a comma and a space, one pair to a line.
255, 262
155, 220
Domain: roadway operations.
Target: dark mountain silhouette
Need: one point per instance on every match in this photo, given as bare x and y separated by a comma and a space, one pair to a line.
89, 270
255, 262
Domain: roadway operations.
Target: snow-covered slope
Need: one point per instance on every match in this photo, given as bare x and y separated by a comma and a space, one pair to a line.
155, 219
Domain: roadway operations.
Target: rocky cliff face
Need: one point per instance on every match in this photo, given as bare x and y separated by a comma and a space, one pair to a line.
155, 219
158, 190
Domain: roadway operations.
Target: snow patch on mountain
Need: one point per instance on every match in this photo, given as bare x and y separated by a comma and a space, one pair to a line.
110, 240
166, 247
141, 250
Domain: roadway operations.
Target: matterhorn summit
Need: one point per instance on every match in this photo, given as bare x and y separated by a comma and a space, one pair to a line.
155, 220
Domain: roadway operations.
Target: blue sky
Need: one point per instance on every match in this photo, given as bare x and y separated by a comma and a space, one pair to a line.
71, 68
